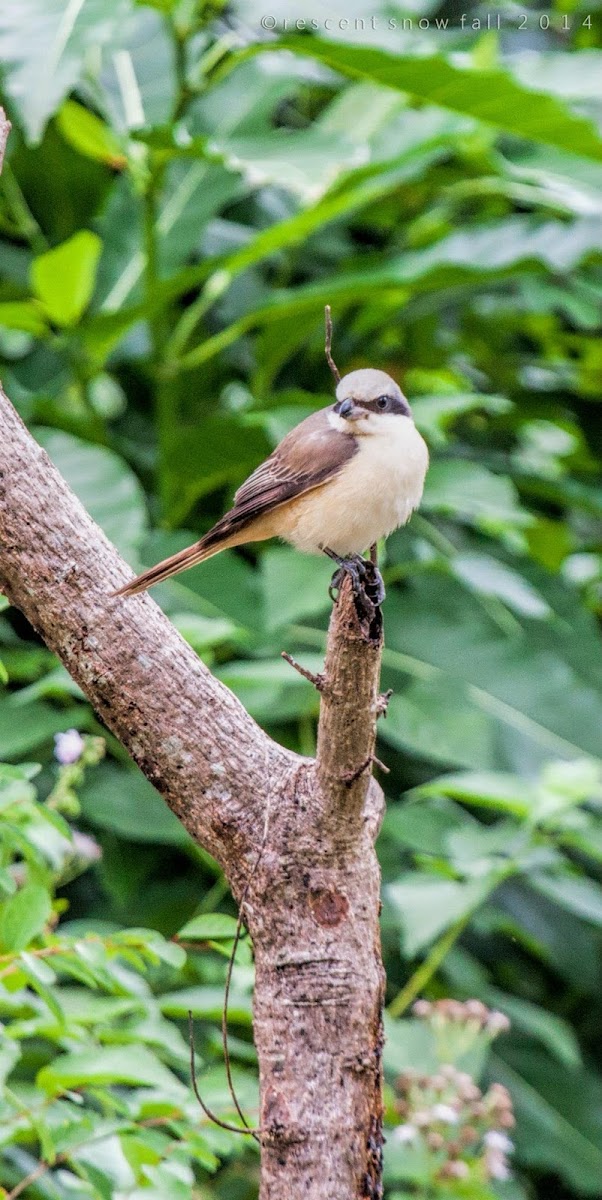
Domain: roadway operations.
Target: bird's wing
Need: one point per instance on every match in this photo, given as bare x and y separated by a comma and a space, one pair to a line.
307, 457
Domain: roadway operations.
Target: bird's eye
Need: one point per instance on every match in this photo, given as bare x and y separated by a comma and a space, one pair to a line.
382, 403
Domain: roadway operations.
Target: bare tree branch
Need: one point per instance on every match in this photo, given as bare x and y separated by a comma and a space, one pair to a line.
190, 735
311, 889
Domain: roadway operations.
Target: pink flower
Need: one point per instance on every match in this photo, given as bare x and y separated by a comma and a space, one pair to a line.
68, 747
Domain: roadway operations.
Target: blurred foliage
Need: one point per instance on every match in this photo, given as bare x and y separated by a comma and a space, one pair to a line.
181, 196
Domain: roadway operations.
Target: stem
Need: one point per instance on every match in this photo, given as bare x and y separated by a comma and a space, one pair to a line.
418, 981
29, 228
183, 93
151, 272
157, 320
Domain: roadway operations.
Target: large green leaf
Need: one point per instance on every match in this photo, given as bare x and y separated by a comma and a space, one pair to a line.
127, 804
482, 253
537, 693
270, 690
426, 906
422, 138
43, 66
23, 916
134, 1065
24, 728
558, 1127
194, 191
106, 486
206, 1002
63, 278
492, 96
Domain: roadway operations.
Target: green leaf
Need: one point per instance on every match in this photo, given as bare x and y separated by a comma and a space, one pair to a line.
134, 1065
206, 1002
106, 1158
486, 575
270, 690
126, 803
23, 729
548, 1028
89, 135
63, 278
200, 457
541, 696
24, 916
409, 1045
158, 946
23, 314
306, 162
427, 906
208, 926
10, 1053
433, 415
492, 96
205, 633
491, 251
485, 789
557, 1127
576, 893
470, 492
438, 721
104, 483
40, 69
15, 785
294, 586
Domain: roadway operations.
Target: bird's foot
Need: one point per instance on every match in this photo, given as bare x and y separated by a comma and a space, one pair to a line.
366, 582
374, 584
354, 567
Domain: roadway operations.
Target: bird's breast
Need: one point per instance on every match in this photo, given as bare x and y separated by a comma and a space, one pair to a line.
373, 494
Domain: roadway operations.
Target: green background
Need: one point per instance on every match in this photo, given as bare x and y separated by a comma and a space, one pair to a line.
182, 194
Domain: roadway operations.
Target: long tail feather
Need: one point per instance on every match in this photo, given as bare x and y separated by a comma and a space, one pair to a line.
170, 566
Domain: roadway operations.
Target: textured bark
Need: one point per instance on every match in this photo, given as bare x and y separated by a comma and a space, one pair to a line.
313, 897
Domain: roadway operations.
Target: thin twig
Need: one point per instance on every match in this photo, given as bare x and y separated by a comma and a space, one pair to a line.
317, 680
239, 923
351, 776
227, 1062
254, 1133
328, 344
207, 1111
40, 1170
382, 703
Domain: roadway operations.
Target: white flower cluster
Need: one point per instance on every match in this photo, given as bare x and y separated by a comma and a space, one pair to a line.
447, 1113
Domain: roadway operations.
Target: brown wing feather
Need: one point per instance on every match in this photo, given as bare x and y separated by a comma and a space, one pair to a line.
311, 454
307, 457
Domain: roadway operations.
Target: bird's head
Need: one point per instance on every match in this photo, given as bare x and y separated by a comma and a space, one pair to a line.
368, 401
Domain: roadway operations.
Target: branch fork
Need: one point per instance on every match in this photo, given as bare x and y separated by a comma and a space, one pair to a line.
319, 1015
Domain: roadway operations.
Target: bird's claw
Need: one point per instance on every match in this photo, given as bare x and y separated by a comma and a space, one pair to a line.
366, 582
355, 568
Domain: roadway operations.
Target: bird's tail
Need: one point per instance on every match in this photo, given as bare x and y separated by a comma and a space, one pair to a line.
170, 566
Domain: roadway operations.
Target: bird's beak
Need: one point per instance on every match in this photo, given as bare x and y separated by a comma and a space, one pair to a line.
349, 410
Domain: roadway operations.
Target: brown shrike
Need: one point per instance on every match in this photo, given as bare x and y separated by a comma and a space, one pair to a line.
344, 478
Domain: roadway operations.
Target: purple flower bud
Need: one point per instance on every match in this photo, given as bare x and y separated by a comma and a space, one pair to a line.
68, 747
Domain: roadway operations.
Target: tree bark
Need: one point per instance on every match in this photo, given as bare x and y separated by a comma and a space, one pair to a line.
296, 836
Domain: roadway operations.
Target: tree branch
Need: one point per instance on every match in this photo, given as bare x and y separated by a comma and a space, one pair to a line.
295, 837
189, 734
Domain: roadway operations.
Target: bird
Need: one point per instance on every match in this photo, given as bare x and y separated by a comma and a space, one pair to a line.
345, 477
